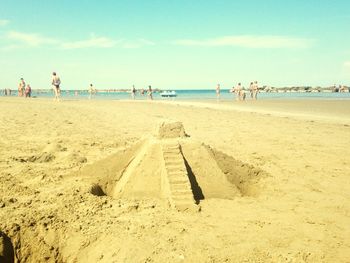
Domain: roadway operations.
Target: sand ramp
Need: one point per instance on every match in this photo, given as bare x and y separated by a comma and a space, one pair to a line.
130, 170
181, 196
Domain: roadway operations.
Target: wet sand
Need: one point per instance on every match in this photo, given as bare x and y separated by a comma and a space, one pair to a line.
290, 203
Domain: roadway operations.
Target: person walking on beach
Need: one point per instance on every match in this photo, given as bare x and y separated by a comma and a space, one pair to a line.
28, 91
218, 92
150, 93
251, 87
56, 82
243, 94
133, 92
238, 91
91, 91
255, 90
21, 87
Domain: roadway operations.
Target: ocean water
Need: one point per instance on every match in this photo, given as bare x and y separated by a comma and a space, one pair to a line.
191, 95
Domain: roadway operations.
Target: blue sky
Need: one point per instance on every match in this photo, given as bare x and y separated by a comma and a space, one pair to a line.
174, 44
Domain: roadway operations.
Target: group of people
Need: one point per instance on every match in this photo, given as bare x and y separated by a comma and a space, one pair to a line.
341, 88
240, 91
26, 90
23, 89
142, 92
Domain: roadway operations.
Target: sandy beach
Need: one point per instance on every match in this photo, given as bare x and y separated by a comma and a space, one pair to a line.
273, 179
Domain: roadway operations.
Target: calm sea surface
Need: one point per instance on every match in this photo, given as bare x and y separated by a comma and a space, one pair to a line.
192, 95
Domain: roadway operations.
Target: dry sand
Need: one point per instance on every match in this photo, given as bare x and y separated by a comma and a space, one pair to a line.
272, 182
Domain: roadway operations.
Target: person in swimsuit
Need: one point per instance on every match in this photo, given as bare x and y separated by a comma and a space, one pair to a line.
251, 87
255, 90
150, 92
218, 92
133, 92
56, 82
21, 87
91, 91
238, 91
28, 91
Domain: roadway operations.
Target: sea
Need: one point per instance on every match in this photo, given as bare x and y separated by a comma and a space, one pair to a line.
198, 94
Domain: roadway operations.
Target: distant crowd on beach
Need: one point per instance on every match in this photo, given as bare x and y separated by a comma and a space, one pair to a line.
340, 88
241, 92
142, 92
25, 90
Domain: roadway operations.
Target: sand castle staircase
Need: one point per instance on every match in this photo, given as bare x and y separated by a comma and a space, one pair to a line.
181, 196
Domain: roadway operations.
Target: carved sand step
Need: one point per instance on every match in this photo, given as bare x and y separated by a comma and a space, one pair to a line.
181, 196
178, 181
172, 162
172, 150
180, 187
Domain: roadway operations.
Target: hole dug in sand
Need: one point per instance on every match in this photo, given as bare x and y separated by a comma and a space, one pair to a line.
97, 190
29, 243
172, 167
6, 249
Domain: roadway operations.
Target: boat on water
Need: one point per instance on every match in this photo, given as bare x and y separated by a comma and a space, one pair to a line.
168, 93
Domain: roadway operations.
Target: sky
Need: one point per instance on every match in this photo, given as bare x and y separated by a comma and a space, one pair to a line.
174, 44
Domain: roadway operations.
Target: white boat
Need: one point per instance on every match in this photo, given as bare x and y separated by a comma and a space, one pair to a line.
168, 93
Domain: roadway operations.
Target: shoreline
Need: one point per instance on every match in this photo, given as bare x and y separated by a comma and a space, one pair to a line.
326, 110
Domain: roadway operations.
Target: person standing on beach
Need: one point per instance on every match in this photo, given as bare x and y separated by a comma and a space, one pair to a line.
133, 92
28, 91
21, 87
56, 82
91, 91
238, 91
255, 90
150, 93
251, 88
218, 92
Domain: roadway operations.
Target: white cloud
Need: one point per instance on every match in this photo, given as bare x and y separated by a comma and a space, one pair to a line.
93, 42
29, 39
249, 41
4, 22
136, 43
19, 40
104, 42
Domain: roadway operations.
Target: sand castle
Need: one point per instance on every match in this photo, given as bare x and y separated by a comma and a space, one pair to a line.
173, 167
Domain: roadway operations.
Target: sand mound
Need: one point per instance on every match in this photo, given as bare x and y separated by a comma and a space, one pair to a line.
242, 175
106, 173
172, 168
170, 129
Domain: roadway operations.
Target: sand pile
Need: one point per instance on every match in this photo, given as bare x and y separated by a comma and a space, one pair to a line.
170, 129
172, 167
